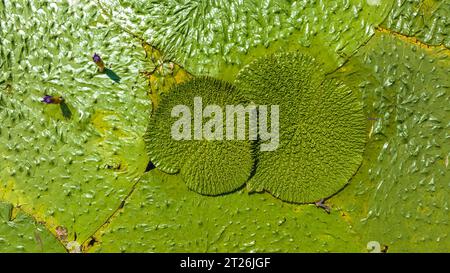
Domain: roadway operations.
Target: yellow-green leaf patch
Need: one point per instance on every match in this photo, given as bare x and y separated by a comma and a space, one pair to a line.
21, 233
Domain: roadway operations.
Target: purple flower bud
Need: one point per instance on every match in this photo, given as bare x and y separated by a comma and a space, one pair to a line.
96, 58
47, 99
99, 62
52, 99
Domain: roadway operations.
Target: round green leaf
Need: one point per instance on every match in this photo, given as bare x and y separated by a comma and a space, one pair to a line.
209, 167
322, 128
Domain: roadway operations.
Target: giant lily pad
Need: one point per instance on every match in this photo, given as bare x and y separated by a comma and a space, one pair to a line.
321, 130
161, 216
69, 171
404, 177
217, 38
208, 166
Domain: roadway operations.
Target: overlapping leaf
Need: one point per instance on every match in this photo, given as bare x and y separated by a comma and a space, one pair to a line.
322, 128
208, 166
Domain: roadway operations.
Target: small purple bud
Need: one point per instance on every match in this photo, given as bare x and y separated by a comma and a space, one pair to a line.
96, 58
47, 99
52, 99
99, 62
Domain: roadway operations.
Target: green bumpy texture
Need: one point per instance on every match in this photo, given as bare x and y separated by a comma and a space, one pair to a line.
161, 216
70, 172
426, 20
219, 37
22, 233
209, 167
405, 175
322, 128
79, 173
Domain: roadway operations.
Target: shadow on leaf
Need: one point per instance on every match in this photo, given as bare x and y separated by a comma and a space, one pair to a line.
65, 110
113, 76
